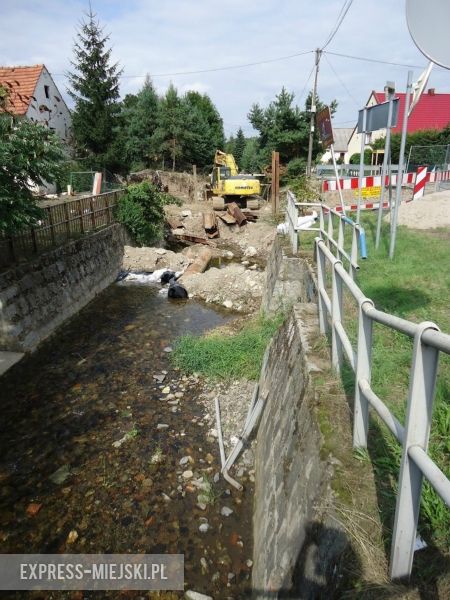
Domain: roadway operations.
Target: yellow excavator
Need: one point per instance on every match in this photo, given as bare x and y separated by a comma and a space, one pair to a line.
227, 185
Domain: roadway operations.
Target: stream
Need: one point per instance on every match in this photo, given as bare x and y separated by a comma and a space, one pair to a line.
94, 426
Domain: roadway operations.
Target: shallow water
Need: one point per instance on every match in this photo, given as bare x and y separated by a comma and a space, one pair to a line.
92, 385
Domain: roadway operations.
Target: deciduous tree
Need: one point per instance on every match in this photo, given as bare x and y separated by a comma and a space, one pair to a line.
30, 155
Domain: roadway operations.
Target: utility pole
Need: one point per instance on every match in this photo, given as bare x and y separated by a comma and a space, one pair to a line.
313, 113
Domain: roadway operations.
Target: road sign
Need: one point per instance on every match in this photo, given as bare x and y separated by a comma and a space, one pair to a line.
377, 116
325, 127
428, 25
368, 192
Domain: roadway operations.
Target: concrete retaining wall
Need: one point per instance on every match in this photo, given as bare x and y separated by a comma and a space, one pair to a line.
289, 280
297, 546
37, 297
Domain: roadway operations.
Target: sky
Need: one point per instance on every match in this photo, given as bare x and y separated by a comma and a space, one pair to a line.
165, 37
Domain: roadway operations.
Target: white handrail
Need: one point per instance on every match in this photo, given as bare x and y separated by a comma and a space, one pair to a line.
414, 435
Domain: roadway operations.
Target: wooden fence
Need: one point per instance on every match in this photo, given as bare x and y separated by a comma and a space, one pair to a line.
60, 223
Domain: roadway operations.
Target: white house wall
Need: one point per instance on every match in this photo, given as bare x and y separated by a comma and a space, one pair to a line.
354, 143
49, 108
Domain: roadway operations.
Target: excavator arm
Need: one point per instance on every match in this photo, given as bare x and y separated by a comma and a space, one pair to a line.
222, 159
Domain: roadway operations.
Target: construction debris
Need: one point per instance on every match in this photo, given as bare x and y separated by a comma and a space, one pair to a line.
178, 236
227, 218
236, 212
200, 257
174, 222
210, 224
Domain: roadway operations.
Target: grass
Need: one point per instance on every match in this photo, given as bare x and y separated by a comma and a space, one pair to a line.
415, 286
227, 356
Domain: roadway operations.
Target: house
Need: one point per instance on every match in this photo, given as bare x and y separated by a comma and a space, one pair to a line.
431, 112
341, 136
33, 94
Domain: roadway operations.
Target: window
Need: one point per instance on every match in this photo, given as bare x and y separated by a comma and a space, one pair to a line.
47, 91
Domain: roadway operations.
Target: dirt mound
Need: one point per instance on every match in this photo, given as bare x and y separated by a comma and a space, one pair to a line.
150, 259
429, 212
234, 287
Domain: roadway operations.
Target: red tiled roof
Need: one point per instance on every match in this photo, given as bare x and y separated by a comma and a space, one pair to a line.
431, 112
20, 83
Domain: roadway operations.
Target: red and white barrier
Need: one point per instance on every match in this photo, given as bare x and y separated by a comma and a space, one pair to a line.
419, 184
438, 176
364, 206
352, 183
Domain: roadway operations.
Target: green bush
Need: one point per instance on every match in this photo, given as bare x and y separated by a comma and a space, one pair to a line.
354, 158
304, 189
296, 167
141, 211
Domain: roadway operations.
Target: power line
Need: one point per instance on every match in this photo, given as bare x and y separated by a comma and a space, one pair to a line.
344, 10
341, 82
210, 70
306, 83
374, 60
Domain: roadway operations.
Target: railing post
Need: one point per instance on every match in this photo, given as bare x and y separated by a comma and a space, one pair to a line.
321, 222
66, 214
321, 280
292, 218
340, 239
80, 212
336, 316
417, 431
52, 226
330, 229
354, 253
91, 204
363, 371
108, 216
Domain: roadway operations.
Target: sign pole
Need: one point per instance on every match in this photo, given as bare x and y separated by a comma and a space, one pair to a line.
337, 178
387, 145
361, 164
401, 159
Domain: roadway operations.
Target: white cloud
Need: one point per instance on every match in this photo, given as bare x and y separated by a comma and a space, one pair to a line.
182, 35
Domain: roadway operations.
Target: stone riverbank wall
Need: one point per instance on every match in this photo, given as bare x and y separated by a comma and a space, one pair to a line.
38, 296
296, 545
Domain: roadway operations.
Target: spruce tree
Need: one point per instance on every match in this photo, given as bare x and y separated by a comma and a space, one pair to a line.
239, 146
171, 135
140, 122
95, 90
205, 127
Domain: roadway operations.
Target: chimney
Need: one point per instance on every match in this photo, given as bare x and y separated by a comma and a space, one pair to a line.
431, 91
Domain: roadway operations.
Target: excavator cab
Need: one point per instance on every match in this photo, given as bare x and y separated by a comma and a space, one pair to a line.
218, 175
227, 184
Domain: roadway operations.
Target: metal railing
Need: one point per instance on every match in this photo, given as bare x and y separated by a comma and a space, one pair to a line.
60, 222
414, 434
329, 220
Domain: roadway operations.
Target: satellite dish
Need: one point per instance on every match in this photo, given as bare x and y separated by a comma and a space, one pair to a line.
428, 24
